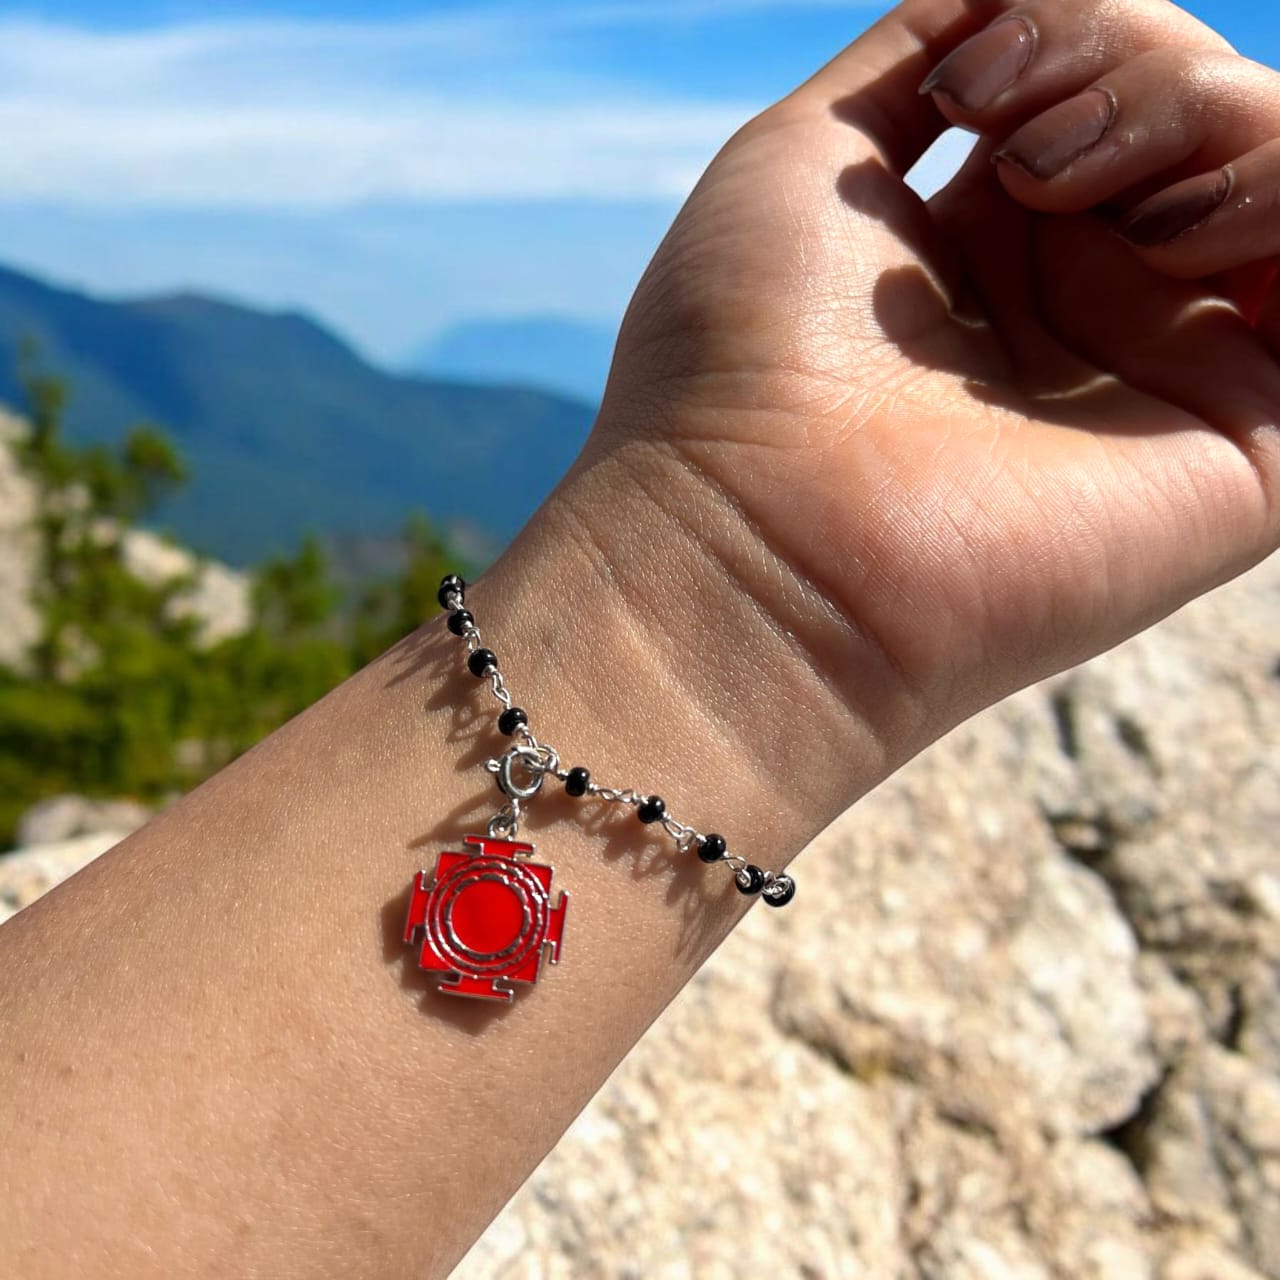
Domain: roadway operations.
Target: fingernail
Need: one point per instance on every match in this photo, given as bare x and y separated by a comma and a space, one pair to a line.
1049, 143
1181, 208
982, 68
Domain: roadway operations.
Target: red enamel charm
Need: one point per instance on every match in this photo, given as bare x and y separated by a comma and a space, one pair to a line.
485, 919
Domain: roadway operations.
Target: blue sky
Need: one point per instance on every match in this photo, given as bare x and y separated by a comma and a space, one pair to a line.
393, 167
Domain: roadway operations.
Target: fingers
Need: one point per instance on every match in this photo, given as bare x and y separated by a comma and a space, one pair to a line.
993, 238
1247, 287
1267, 320
873, 83
1037, 54
1152, 115
1161, 335
1150, 109
1213, 222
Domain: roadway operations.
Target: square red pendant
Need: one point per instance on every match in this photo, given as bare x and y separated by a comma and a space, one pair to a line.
486, 919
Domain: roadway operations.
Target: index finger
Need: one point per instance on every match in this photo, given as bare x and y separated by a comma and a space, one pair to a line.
873, 84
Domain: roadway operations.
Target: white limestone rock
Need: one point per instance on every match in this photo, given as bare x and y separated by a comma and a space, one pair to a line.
62, 818
218, 597
30, 873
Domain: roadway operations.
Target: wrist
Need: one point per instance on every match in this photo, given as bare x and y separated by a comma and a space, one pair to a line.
657, 634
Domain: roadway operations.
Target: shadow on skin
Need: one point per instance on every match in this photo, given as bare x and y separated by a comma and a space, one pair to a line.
933, 331
699, 892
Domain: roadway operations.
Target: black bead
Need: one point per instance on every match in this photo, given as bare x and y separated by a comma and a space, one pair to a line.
511, 719
783, 896
460, 621
482, 662
750, 880
576, 783
451, 585
654, 809
713, 848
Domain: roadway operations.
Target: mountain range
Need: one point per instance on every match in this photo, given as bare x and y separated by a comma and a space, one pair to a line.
555, 353
285, 428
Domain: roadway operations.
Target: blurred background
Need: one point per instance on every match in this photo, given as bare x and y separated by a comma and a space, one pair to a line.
303, 304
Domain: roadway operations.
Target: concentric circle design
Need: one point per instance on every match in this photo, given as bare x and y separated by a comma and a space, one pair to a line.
500, 903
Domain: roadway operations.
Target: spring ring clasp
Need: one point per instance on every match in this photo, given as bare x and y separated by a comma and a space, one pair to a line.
532, 762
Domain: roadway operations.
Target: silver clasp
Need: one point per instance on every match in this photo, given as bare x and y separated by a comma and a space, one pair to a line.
532, 762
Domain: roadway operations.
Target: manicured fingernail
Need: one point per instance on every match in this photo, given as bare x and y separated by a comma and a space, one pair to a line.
1048, 144
981, 69
1181, 208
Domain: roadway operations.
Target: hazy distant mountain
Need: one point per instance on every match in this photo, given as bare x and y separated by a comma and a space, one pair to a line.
287, 429
569, 356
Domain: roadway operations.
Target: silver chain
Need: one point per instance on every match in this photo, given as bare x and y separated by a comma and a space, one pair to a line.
539, 760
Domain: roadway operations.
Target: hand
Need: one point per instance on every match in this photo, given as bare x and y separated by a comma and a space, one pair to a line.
985, 433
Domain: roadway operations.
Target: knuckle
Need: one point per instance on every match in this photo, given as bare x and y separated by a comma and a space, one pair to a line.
1172, 65
1158, 20
1174, 71
1194, 85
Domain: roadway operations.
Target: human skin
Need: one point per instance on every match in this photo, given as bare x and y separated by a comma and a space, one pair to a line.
865, 465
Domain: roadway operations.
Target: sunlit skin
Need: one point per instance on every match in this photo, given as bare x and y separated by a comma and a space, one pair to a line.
865, 465
992, 441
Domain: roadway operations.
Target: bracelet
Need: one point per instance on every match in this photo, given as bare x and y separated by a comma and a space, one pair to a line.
485, 918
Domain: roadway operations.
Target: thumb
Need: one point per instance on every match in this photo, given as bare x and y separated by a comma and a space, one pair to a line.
874, 83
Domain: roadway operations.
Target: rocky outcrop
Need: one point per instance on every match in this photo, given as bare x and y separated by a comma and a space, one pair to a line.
57, 837
1021, 1022
19, 622
61, 818
216, 596
25, 874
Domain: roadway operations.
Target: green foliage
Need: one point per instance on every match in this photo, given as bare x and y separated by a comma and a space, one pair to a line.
294, 652
131, 483
121, 697
390, 609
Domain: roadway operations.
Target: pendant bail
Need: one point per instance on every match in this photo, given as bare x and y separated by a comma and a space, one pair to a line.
505, 824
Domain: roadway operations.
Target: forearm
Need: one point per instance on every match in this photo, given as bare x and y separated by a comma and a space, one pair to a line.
216, 1058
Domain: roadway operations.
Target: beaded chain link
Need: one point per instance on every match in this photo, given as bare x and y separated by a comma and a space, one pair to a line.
536, 761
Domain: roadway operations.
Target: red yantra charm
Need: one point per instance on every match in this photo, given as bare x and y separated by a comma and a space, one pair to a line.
485, 919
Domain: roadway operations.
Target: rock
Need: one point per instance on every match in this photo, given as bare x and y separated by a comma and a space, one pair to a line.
1206, 1262
218, 597
1258, 1030
19, 622
27, 874
981, 963
61, 818
1174, 1014
1209, 1149
771, 1143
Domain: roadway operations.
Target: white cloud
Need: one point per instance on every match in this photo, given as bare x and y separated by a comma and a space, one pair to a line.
470, 105
652, 12
322, 156
265, 114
